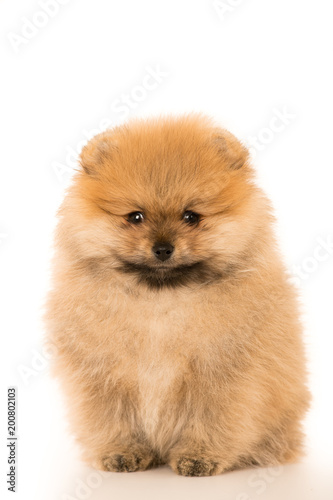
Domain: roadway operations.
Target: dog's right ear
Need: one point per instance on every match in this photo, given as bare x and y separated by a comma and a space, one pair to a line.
97, 152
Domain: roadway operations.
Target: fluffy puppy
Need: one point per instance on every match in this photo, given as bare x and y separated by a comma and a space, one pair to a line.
177, 331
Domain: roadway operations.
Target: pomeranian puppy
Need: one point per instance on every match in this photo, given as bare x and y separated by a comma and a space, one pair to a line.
177, 331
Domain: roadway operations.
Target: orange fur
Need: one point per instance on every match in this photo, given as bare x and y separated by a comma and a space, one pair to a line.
205, 372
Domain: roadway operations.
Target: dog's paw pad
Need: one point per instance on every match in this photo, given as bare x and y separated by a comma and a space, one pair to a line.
195, 467
122, 463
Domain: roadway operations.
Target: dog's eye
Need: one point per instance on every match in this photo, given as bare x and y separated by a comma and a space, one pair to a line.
135, 217
191, 217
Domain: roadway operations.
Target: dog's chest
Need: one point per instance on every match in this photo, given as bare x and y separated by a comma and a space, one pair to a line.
157, 383
161, 366
161, 342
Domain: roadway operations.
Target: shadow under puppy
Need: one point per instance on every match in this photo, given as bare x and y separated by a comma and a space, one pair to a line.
177, 332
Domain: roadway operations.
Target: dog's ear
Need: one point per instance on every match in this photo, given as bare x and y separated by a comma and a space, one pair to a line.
99, 150
233, 152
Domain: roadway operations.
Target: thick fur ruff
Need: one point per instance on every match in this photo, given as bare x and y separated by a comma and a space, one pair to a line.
198, 361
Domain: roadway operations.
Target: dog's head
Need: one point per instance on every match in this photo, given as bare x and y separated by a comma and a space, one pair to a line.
169, 201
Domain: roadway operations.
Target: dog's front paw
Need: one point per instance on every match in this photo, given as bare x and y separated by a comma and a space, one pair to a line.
126, 462
189, 466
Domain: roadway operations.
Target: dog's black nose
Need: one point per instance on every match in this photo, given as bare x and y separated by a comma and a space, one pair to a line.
163, 251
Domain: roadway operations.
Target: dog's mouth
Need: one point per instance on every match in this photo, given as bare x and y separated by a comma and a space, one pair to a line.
166, 276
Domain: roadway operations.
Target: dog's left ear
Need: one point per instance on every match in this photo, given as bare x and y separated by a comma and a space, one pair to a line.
232, 151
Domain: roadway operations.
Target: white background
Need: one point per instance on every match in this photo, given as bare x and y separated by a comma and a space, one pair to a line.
71, 75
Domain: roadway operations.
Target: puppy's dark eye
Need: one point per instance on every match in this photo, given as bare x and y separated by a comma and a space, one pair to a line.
191, 218
135, 217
